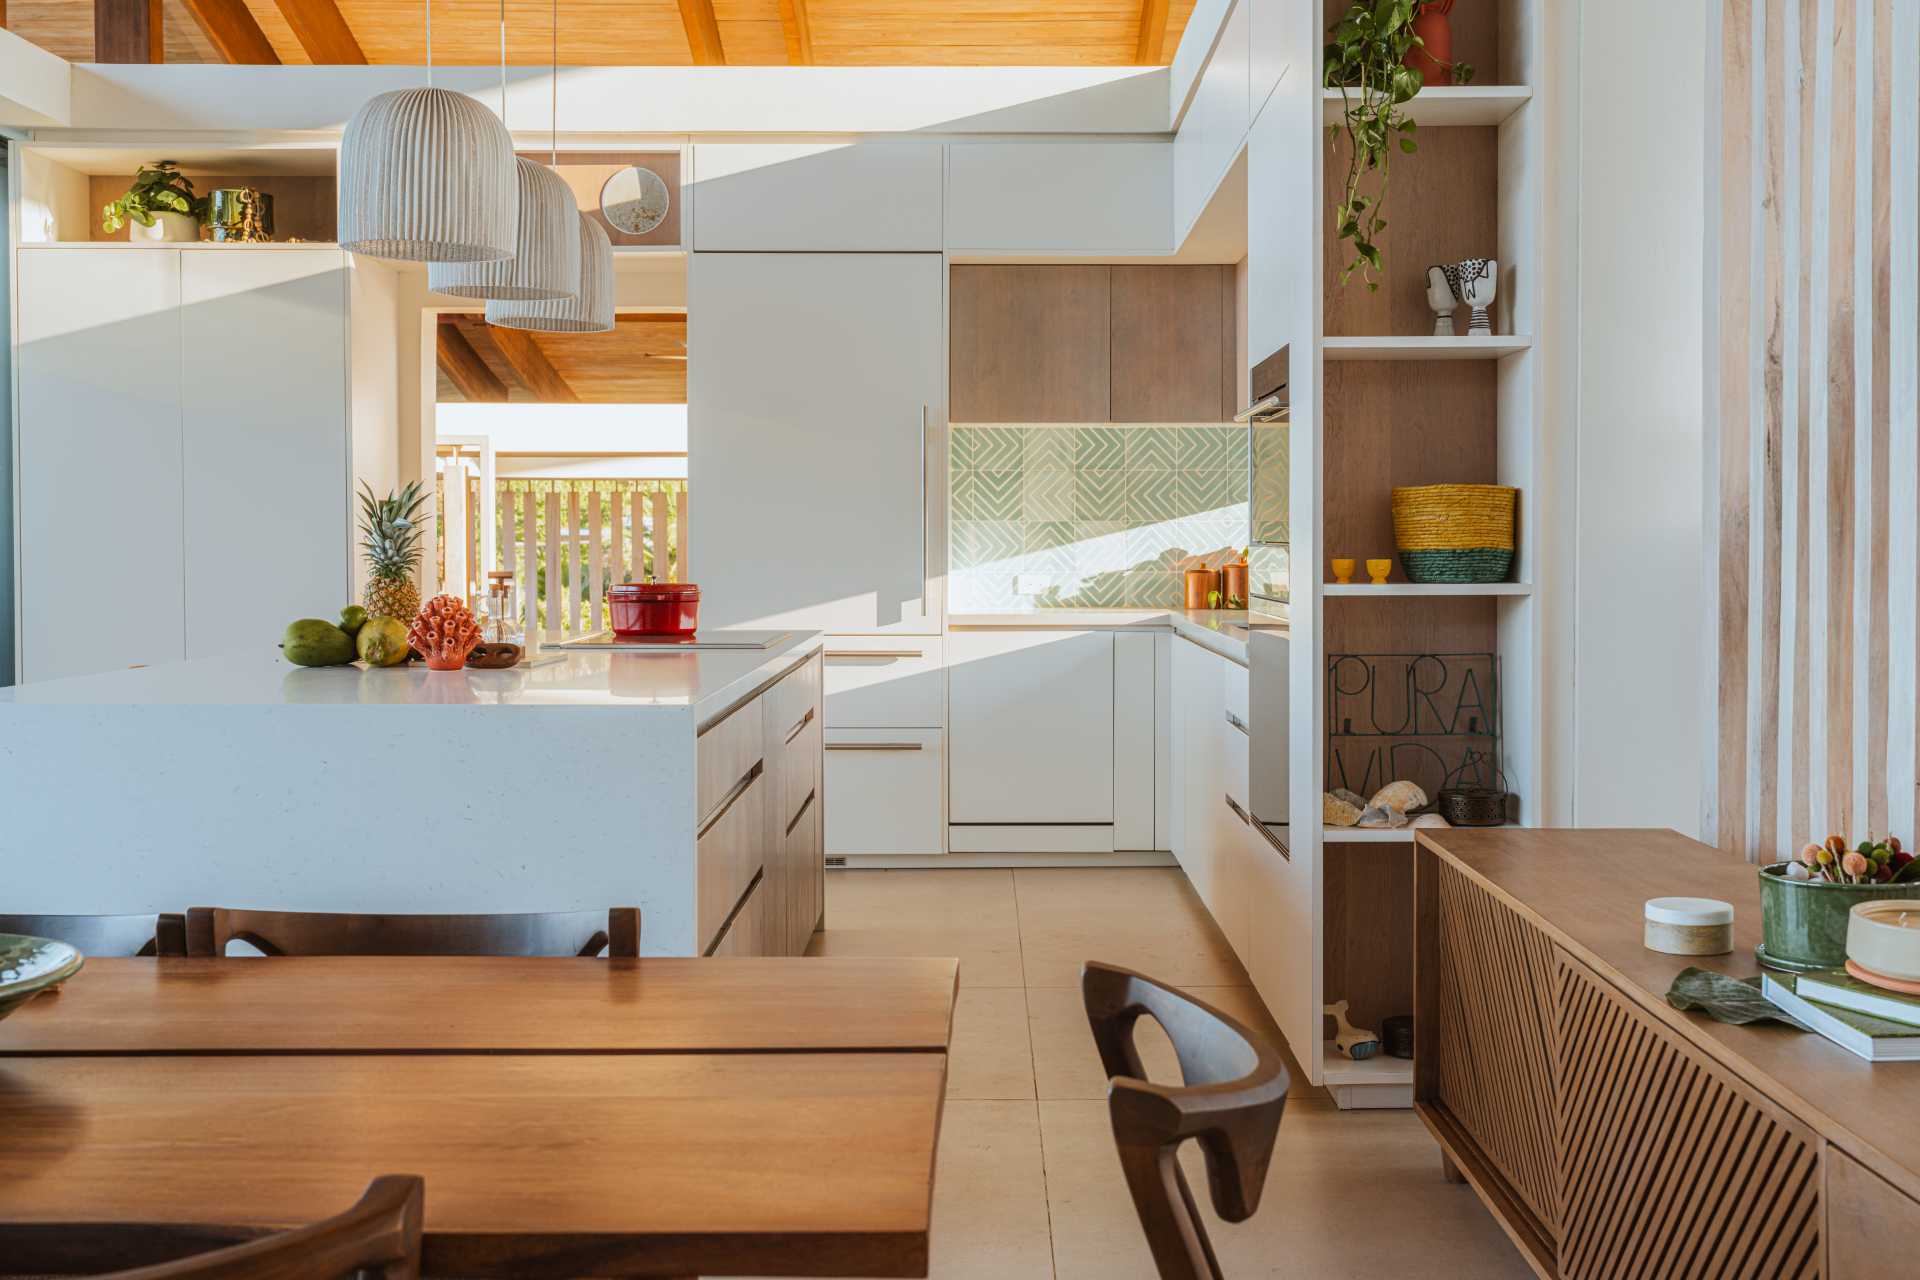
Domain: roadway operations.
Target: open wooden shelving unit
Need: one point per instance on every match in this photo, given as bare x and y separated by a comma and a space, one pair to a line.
1398, 406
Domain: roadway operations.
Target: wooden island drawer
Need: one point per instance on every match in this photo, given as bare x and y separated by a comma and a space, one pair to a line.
727, 751
730, 852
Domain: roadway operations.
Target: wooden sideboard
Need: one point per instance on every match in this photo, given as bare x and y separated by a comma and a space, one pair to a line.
1609, 1133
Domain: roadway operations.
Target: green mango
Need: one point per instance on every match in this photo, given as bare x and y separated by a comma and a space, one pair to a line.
315, 642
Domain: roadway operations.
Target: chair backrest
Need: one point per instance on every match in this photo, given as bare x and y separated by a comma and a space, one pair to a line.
1234, 1091
379, 1236
318, 933
151, 935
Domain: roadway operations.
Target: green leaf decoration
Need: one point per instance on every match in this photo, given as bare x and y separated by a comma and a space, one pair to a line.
1733, 1000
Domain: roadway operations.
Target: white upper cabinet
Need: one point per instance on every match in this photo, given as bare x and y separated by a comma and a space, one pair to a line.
1032, 726
862, 197
1076, 197
814, 412
1214, 126
265, 442
98, 367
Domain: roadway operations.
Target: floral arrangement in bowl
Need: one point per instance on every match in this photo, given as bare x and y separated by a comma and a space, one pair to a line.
1869, 862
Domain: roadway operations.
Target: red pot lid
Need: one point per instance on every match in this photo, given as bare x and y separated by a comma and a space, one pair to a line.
655, 590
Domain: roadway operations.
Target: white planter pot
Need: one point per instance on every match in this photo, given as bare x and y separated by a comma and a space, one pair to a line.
167, 228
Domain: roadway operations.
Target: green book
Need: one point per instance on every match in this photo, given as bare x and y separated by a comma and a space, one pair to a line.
1875, 1039
1838, 987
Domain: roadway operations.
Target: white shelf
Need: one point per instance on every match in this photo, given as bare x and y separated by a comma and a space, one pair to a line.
1429, 589
1453, 104
1336, 1070
1426, 347
1366, 835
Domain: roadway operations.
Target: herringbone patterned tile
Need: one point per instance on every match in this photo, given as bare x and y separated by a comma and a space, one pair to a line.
1047, 495
1100, 448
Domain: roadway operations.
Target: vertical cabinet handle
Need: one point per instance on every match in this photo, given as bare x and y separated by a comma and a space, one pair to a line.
925, 572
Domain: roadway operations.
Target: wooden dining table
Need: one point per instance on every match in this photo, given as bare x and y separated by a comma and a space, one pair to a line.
653, 1117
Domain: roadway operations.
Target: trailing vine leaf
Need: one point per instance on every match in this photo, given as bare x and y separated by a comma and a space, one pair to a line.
1365, 60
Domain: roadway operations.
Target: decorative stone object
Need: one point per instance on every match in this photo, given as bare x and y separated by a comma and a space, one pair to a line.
1335, 812
1404, 796
1380, 817
1431, 820
1353, 798
1689, 926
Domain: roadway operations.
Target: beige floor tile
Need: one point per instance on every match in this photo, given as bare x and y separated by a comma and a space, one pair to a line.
990, 1196
969, 914
1338, 1178
991, 1056
1146, 918
1067, 1066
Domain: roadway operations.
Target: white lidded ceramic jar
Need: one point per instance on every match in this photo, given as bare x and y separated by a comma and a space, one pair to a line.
1689, 926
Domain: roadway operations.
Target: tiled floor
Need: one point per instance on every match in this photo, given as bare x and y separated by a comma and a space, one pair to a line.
1028, 1185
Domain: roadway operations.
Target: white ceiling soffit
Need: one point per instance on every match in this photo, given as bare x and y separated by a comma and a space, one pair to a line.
642, 101
35, 86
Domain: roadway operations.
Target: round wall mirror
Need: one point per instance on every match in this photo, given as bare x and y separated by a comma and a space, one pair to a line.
635, 200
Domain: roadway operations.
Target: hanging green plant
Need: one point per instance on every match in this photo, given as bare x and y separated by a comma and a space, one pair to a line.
1366, 59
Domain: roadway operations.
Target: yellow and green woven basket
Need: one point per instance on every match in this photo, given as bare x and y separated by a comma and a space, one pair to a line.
1455, 532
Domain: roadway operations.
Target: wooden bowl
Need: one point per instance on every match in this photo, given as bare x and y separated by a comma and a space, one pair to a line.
494, 657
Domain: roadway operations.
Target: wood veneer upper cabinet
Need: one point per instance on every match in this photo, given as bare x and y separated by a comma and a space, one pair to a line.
1029, 344
1171, 344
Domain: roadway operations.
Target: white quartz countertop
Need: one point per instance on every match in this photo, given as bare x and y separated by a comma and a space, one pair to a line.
1224, 631
707, 680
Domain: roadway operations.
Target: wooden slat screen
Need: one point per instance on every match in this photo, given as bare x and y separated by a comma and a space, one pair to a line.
1813, 467
569, 540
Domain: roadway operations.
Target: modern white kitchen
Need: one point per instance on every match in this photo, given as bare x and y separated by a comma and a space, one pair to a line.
1033, 510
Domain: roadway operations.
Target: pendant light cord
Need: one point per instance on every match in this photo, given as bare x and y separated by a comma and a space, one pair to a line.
553, 106
429, 44
503, 61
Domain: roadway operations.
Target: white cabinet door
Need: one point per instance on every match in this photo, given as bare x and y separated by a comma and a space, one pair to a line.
1197, 697
1075, 197
1031, 726
1134, 714
1267, 57
813, 413
882, 791
863, 197
885, 682
99, 344
265, 435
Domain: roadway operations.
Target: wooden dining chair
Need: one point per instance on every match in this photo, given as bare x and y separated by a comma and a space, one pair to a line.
318, 933
164, 934
1233, 1091
379, 1236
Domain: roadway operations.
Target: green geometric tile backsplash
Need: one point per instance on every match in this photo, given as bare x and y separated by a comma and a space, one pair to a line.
1093, 515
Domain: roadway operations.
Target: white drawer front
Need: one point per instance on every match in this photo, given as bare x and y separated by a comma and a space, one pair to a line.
883, 791
1236, 746
883, 682
1238, 699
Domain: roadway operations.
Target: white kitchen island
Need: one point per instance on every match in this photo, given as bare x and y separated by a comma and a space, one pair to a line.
686, 784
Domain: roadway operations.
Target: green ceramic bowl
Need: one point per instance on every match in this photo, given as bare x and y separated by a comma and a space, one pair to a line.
1803, 923
29, 966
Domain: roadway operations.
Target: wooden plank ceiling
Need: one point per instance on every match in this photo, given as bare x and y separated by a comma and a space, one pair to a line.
643, 361
643, 32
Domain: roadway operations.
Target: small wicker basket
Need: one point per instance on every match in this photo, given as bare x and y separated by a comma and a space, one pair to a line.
1455, 532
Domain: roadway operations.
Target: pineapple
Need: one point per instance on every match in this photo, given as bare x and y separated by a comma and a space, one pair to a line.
390, 530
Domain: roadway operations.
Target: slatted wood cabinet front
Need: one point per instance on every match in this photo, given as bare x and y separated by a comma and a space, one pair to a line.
1607, 1145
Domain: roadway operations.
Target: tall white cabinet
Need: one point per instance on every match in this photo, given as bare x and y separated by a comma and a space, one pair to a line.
183, 441
814, 412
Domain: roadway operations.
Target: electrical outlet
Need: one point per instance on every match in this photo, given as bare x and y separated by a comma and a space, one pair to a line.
1031, 584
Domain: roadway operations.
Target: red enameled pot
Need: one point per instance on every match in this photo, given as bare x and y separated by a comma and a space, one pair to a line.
654, 608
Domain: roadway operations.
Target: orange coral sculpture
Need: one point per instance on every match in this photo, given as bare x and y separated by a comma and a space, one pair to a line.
444, 633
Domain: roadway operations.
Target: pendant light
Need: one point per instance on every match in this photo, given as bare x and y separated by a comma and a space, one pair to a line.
427, 175
591, 309
546, 258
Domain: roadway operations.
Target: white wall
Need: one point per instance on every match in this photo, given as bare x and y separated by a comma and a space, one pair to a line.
6, 444
1637, 440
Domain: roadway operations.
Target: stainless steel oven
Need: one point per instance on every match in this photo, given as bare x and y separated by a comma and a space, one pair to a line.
1270, 643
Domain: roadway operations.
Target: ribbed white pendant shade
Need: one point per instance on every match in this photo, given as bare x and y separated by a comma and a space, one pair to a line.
591, 312
546, 259
427, 176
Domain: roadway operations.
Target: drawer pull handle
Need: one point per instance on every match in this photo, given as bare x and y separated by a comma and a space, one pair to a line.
876, 746
802, 811
1238, 812
733, 793
793, 733
1239, 724
833, 654
1261, 828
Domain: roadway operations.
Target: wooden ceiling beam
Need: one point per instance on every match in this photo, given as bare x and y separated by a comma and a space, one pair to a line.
703, 33
128, 31
232, 31
322, 32
465, 369
521, 350
1153, 33
796, 27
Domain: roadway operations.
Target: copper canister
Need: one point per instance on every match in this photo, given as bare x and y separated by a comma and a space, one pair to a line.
1201, 583
1233, 585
